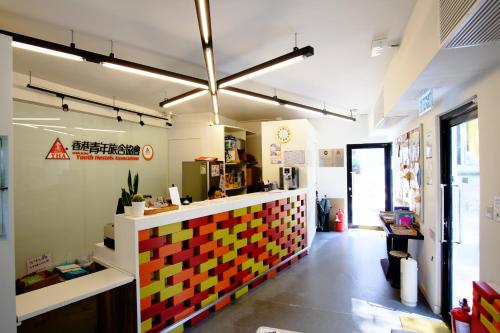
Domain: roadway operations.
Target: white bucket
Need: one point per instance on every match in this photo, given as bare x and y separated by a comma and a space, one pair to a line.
409, 282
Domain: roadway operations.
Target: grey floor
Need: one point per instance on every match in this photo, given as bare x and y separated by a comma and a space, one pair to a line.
339, 287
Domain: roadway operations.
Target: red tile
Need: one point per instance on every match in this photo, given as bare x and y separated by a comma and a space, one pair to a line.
180, 256
197, 241
195, 223
150, 244
197, 260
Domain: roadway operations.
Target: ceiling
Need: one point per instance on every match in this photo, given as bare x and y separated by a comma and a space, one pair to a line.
164, 33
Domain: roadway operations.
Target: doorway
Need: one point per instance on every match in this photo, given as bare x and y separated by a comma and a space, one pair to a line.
369, 183
460, 204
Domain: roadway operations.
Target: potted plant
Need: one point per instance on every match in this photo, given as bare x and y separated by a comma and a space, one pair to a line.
126, 198
138, 205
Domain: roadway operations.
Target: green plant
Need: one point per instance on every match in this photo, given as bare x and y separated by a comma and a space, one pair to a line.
137, 198
133, 186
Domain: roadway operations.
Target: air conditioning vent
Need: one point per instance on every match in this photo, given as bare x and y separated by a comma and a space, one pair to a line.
467, 23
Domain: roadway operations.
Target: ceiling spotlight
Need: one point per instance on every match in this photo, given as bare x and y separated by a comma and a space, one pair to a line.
118, 117
64, 106
168, 123
140, 121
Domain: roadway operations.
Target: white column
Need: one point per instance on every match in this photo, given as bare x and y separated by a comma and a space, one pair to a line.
7, 276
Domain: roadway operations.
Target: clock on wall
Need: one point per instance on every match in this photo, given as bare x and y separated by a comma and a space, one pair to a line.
284, 134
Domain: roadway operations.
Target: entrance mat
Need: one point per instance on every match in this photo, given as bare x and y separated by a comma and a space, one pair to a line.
422, 325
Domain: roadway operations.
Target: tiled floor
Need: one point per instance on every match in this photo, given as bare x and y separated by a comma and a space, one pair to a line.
339, 287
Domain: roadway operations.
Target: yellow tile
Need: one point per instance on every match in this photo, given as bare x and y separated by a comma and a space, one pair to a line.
210, 299
240, 227
283, 253
208, 265
178, 329
255, 223
144, 257
151, 289
240, 243
219, 234
256, 237
170, 270
275, 250
256, 208
240, 212
247, 264
210, 282
229, 256
168, 292
169, 228
287, 231
275, 223
146, 325
229, 239
241, 292
182, 235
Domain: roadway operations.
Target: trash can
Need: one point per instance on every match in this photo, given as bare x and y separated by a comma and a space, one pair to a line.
409, 278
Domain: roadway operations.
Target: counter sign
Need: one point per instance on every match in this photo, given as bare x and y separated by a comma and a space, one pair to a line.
57, 152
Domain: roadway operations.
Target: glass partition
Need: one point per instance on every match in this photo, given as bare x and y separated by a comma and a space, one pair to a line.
4, 204
69, 171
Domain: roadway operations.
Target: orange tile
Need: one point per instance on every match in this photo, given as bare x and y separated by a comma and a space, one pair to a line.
144, 280
246, 218
145, 302
184, 314
263, 242
220, 217
222, 304
143, 235
247, 278
294, 260
221, 286
207, 247
262, 227
220, 251
184, 295
169, 249
262, 256
151, 266
271, 274
277, 261
198, 278
230, 272
208, 228
182, 276
240, 259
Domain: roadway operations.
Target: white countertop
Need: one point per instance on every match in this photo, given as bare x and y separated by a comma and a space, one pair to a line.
46, 299
208, 207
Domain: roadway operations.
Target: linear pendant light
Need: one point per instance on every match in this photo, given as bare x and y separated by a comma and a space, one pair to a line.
293, 57
211, 70
43, 50
253, 96
204, 21
183, 98
152, 74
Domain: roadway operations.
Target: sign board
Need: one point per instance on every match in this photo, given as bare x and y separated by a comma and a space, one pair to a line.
425, 102
57, 151
331, 157
174, 195
40, 263
294, 157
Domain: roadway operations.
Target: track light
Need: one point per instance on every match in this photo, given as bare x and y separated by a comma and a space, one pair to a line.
152, 73
183, 98
295, 56
248, 95
47, 51
64, 106
118, 117
168, 123
140, 120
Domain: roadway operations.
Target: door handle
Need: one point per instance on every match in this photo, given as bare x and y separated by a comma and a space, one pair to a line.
459, 214
443, 222
4, 188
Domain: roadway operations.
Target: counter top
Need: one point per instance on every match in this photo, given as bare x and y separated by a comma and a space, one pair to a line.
207, 207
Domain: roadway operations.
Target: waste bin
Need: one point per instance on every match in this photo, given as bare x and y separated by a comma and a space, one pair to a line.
409, 278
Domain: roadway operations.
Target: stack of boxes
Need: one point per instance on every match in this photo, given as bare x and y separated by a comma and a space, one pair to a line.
485, 308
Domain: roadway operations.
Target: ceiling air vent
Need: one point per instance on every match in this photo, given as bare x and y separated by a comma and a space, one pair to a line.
469, 22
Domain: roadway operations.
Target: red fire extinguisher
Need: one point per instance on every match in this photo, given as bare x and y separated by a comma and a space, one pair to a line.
339, 221
461, 318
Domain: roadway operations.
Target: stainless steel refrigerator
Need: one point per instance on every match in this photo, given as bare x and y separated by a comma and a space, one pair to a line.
199, 176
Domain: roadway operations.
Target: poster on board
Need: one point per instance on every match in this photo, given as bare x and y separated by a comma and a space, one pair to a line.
275, 153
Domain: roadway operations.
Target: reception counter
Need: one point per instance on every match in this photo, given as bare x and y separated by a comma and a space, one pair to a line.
202, 256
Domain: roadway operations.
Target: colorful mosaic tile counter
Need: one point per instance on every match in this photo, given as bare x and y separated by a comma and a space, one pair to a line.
200, 258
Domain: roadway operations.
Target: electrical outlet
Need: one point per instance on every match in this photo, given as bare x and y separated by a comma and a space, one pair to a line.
496, 210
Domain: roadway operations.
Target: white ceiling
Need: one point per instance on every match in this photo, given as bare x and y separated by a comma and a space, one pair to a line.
341, 73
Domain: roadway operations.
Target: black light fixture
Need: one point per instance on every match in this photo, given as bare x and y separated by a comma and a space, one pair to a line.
293, 57
64, 107
118, 117
140, 120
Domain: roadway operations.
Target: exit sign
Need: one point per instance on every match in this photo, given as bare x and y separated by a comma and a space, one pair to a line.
425, 102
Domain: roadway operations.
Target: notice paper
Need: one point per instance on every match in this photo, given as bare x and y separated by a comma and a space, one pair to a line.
174, 195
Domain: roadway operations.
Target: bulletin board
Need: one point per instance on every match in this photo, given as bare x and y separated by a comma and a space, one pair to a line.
408, 189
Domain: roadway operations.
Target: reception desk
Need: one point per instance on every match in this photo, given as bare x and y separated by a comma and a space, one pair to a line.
201, 257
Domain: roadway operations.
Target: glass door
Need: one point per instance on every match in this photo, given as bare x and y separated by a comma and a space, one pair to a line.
368, 183
460, 195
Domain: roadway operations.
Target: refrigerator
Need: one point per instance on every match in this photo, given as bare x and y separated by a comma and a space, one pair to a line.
199, 176
4, 199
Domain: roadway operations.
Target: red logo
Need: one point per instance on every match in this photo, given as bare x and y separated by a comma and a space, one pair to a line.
57, 152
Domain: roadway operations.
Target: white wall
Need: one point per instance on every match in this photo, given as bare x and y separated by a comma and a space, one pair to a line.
7, 292
337, 133
303, 138
429, 251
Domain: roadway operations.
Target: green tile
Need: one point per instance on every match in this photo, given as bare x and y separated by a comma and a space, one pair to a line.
229, 256
170, 270
256, 237
240, 227
240, 212
256, 208
210, 282
169, 228
219, 234
212, 263
255, 223
241, 292
210, 299
168, 292
151, 289
182, 235
144, 257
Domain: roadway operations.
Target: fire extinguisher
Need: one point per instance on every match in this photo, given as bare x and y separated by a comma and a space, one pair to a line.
461, 318
339, 221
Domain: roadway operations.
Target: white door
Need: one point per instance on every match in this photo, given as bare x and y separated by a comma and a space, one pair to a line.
7, 291
180, 150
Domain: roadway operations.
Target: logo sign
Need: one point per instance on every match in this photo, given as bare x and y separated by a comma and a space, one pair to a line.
425, 102
57, 152
147, 152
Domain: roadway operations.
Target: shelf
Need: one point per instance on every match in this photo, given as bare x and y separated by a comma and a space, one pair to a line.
235, 188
